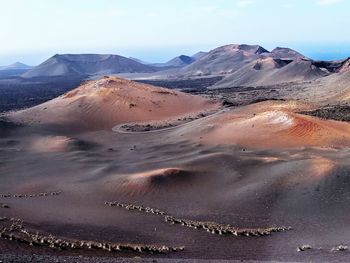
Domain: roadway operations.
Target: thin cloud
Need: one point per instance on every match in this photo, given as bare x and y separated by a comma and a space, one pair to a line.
329, 2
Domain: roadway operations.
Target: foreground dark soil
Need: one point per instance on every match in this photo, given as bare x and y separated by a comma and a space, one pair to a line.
246, 188
18, 93
82, 259
233, 96
189, 85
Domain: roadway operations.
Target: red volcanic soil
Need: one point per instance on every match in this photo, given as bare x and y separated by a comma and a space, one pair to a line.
104, 103
272, 125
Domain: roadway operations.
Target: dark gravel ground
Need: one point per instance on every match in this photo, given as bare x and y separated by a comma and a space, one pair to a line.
337, 112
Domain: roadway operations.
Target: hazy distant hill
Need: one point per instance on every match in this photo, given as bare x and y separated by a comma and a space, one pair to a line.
199, 55
86, 65
176, 62
140, 61
16, 65
14, 70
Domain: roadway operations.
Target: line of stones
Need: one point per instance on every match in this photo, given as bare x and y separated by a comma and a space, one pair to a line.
13, 229
211, 227
30, 195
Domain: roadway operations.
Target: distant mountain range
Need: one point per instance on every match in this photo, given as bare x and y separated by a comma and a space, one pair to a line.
84, 65
253, 65
240, 65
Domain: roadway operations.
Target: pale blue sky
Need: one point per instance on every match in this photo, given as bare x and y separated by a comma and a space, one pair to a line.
156, 30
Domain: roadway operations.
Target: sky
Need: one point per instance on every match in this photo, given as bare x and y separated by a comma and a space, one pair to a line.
157, 30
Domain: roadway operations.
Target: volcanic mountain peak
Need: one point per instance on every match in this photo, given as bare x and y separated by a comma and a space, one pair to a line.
282, 52
249, 49
177, 62
224, 60
181, 60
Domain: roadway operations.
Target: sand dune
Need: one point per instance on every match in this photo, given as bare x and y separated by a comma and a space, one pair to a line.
148, 182
49, 144
109, 101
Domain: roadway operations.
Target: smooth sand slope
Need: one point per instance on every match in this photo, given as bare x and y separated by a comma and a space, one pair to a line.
109, 101
269, 125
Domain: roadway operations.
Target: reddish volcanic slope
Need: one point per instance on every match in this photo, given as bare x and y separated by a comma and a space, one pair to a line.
271, 125
104, 103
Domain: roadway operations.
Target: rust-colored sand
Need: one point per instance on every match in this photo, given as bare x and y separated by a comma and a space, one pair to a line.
273, 125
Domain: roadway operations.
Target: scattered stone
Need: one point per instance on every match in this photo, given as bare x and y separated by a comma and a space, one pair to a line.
304, 248
340, 248
337, 112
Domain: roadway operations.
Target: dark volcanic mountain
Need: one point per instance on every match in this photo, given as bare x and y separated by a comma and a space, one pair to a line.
224, 60
87, 65
181, 61
272, 71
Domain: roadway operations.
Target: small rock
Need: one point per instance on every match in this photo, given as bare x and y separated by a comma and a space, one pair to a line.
340, 248
304, 247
